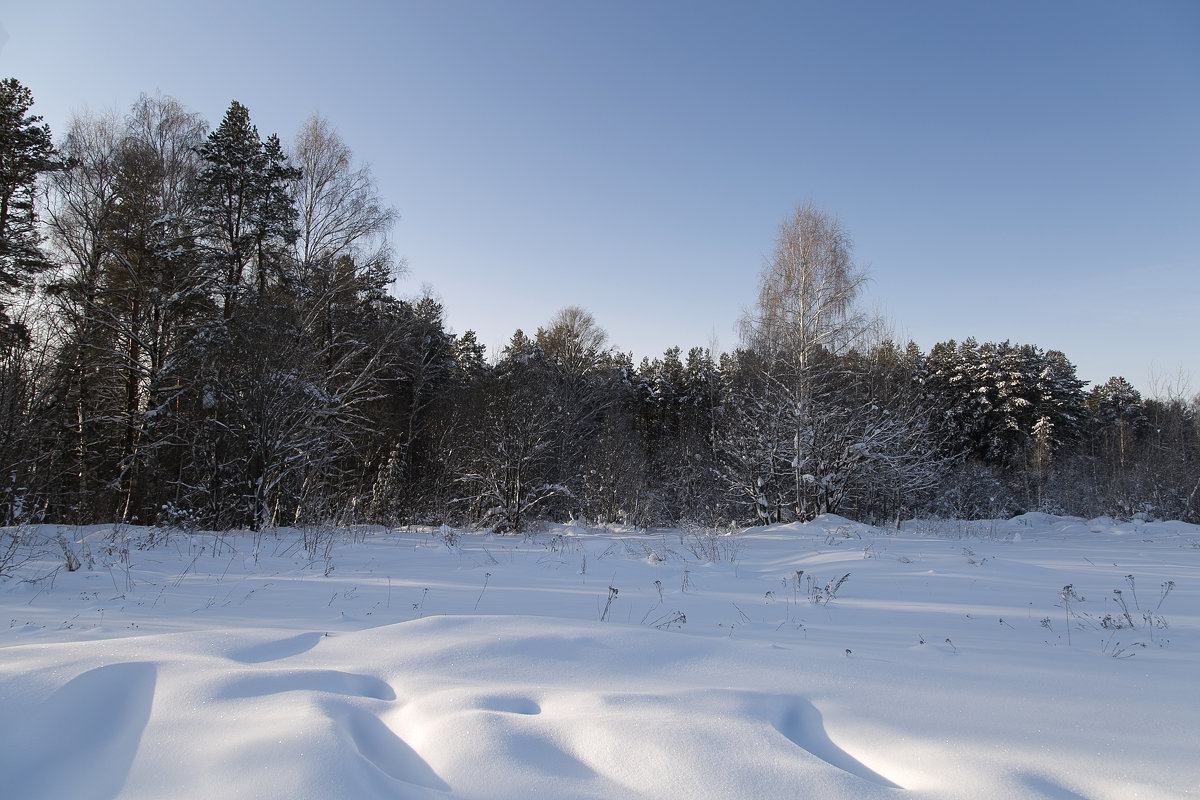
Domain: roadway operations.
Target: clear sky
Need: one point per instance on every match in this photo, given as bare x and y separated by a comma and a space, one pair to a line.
1009, 170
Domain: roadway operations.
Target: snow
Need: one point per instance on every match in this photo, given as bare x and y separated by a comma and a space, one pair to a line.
440, 663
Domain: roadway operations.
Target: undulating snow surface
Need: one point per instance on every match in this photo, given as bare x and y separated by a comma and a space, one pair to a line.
951, 662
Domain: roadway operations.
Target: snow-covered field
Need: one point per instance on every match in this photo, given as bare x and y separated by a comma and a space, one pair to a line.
950, 661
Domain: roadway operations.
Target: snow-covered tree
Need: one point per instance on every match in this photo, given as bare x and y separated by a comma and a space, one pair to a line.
506, 458
754, 442
127, 289
806, 319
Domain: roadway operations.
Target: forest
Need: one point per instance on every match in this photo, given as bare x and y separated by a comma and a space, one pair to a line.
196, 330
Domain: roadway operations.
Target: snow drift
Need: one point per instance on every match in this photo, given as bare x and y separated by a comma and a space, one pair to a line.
1037, 657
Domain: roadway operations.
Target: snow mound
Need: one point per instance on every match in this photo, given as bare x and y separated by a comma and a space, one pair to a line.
828, 660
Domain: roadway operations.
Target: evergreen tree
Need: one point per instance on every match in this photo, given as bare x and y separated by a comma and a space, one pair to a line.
1118, 416
417, 365
274, 215
245, 210
754, 455
26, 151
505, 459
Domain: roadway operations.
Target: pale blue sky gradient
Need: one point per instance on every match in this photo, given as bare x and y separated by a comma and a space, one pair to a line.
1023, 171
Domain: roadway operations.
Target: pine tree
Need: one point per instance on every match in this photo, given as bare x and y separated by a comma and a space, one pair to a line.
26, 151
1118, 416
247, 213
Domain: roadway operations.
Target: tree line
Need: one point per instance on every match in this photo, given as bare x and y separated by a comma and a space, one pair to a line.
196, 329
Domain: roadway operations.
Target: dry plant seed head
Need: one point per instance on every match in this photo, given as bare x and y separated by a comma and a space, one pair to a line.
1166, 590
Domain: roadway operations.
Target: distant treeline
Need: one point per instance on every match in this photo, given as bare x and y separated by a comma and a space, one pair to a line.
195, 329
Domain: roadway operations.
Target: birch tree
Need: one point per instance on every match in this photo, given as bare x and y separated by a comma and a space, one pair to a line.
806, 312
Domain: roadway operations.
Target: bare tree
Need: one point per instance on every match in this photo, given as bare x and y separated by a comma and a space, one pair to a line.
807, 294
573, 341
83, 204
806, 316
340, 210
343, 253
84, 198
119, 218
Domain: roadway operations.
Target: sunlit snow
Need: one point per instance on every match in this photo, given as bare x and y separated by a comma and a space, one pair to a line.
826, 660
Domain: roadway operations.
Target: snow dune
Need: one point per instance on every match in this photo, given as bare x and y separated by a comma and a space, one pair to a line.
608, 664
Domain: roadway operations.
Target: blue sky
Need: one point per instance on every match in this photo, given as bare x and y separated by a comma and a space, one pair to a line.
1023, 171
